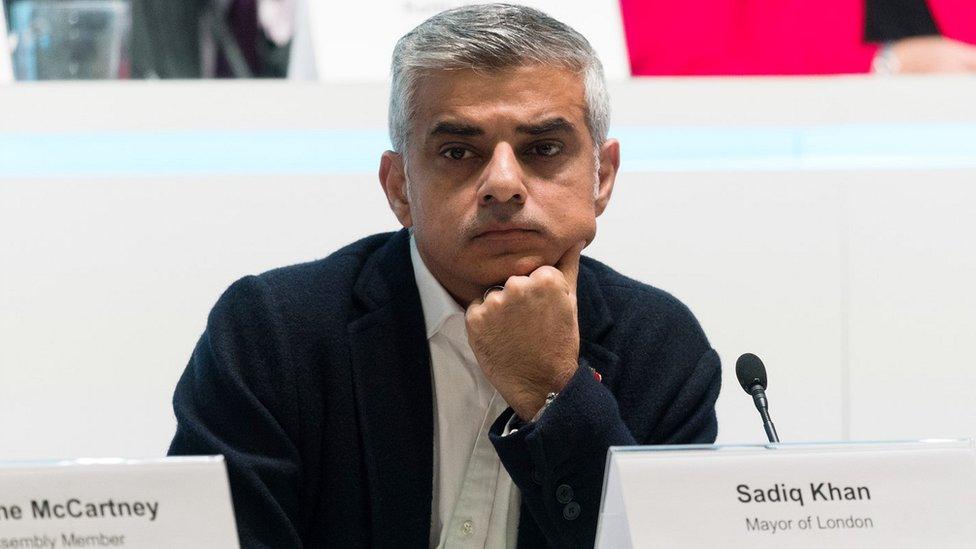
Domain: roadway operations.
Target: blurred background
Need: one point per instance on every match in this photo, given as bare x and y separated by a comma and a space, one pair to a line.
801, 174
147, 39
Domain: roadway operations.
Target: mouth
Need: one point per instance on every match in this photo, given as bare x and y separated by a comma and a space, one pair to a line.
506, 233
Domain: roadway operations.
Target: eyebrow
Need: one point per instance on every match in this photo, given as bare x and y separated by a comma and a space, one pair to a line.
557, 124
453, 128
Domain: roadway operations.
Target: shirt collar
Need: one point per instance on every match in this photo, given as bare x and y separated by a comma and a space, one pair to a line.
438, 305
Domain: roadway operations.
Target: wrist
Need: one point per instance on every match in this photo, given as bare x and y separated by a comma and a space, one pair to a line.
540, 395
561, 380
528, 406
549, 399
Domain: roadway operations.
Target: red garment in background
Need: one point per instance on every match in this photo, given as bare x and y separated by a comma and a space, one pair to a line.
743, 37
955, 18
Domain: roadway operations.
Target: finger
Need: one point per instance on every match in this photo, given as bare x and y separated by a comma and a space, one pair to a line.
517, 285
473, 314
495, 288
568, 264
483, 300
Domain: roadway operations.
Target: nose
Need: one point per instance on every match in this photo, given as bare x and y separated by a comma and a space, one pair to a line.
502, 180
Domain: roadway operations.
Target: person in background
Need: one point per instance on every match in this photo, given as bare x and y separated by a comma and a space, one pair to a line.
791, 37
166, 38
212, 38
912, 41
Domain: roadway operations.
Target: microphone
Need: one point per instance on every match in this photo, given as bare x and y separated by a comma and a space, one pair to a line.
752, 376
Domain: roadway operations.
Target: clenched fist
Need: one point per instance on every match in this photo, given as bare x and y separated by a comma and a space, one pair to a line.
526, 336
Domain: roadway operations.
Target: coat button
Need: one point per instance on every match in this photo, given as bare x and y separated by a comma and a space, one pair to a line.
564, 494
536, 478
571, 511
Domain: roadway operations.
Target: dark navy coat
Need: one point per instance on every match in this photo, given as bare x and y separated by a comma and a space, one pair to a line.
314, 382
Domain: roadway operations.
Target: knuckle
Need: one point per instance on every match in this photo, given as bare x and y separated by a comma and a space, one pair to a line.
546, 275
474, 314
516, 284
494, 299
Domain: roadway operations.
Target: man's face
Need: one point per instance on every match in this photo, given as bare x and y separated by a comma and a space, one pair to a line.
501, 176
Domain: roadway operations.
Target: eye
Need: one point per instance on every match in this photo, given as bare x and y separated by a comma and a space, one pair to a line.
456, 153
546, 149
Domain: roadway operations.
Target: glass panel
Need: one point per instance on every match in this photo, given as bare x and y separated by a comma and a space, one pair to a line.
74, 39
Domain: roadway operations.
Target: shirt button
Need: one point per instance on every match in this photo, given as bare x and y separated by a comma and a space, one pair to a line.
564, 494
466, 529
571, 511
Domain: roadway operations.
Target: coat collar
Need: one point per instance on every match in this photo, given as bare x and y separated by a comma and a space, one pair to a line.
391, 372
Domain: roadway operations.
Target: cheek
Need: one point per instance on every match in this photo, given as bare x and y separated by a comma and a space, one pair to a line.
573, 215
439, 217
581, 229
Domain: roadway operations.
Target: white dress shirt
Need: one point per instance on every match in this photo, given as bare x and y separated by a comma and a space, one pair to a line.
475, 503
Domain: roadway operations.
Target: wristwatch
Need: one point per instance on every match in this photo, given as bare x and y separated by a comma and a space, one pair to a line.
549, 398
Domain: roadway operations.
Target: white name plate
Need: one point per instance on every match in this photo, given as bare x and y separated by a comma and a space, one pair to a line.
908, 494
172, 502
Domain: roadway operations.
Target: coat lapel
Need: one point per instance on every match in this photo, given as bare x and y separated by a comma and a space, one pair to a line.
391, 369
594, 323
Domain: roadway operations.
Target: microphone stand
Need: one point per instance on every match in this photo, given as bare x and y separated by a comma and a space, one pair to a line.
759, 398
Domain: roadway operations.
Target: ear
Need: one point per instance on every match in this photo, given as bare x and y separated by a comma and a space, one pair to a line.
393, 178
609, 163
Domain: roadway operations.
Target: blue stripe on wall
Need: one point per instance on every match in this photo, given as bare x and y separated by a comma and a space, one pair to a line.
644, 148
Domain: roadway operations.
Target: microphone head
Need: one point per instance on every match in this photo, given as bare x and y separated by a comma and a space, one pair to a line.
750, 371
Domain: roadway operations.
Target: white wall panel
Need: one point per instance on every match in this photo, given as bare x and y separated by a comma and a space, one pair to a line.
106, 287
913, 305
755, 256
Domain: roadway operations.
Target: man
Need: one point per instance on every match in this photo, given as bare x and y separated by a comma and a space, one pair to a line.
457, 383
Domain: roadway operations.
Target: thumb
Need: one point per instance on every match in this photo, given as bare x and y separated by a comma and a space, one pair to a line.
568, 264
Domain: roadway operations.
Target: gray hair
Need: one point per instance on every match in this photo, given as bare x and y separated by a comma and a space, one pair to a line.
491, 37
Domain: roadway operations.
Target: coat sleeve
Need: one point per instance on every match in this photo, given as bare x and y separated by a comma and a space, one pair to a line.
226, 403
558, 462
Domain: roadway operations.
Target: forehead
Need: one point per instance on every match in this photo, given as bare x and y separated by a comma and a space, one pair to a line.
506, 97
